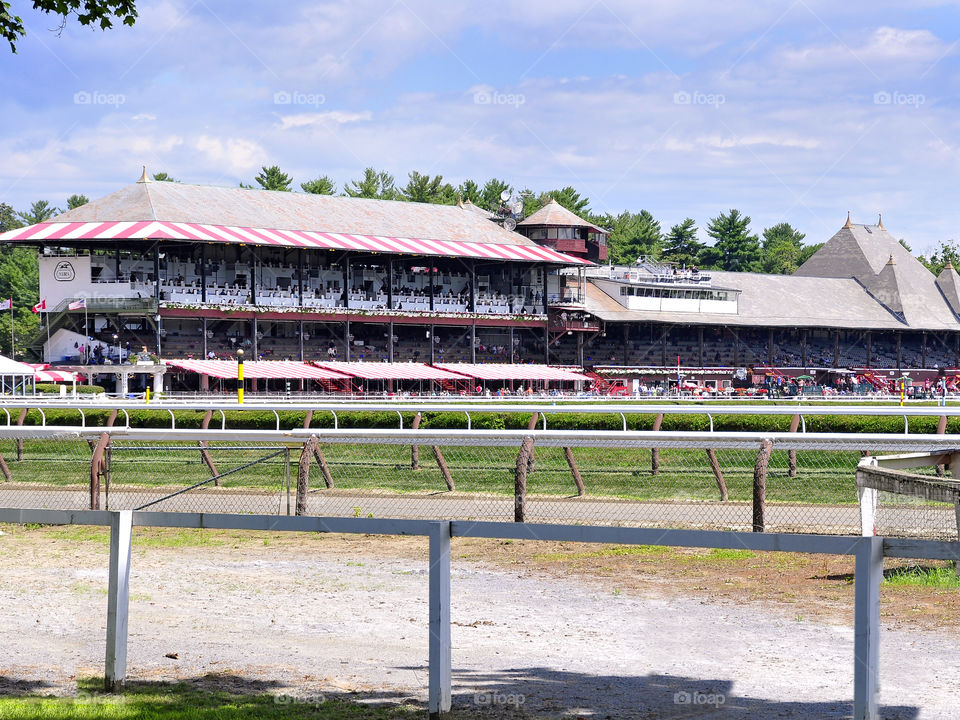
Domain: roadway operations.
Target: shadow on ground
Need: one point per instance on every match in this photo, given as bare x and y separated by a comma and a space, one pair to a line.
521, 693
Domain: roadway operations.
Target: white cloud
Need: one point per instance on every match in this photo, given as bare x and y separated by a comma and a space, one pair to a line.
231, 155
335, 117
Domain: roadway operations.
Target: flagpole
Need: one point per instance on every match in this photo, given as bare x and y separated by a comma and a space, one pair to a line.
86, 331
13, 347
47, 354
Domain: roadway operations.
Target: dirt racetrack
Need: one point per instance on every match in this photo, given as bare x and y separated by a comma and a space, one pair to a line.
536, 633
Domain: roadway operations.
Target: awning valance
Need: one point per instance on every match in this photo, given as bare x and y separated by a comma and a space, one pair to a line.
260, 369
504, 371
156, 230
391, 371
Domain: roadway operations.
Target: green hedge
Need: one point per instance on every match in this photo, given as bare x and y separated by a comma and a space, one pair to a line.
81, 389
265, 420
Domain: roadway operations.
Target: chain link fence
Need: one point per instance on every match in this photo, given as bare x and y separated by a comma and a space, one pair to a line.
599, 479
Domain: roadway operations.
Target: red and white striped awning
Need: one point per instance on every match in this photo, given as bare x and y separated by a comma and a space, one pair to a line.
504, 371
390, 371
261, 369
157, 230
43, 374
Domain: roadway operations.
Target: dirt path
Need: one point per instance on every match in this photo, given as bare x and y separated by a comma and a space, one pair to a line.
540, 630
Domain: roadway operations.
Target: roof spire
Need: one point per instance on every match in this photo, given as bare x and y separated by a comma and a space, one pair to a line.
848, 224
144, 178
891, 261
880, 221
948, 266
460, 199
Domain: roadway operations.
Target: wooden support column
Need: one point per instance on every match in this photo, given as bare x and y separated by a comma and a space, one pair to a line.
770, 347
869, 343
575, 471
303, 474
803, 347
204, 452
717, 474
655, 452
4, 469
442, 464
700, 347
836, 348
531, 426
794, 426
520, 480
97, 468
760, 485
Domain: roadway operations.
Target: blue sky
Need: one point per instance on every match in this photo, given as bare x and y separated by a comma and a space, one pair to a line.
795, 111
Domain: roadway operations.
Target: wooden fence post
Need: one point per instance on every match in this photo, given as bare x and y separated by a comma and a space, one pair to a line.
531, 426
444, 470
20, 419
204, 453
4, 469
941, 429
717, 474
760, 485
655, 452
303, 474
415, 449
794, 426
97, 466
581, 490
520, 481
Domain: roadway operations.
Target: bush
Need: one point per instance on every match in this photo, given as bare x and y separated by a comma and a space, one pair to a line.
81, 389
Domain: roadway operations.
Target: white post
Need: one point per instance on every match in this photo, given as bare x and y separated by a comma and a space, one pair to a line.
440, 656
868, 510
866, 643
157, 383
118, 598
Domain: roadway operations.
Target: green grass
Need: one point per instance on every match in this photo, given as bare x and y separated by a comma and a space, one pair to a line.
823, 477
935, 576
160, 701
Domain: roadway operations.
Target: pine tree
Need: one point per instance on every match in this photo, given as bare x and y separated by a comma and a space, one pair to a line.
376, 184
680, 244
323, 185
735, 248
39, 212
632, 235
273, 178
75, 201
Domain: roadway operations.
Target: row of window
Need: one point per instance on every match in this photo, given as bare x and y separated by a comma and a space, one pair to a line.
629, 290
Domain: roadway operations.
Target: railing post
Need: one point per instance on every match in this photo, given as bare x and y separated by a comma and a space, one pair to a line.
415, 449
520, 480
97, 467
118, 599
792, 454
941, 429
718, 474
440, 671
866, 643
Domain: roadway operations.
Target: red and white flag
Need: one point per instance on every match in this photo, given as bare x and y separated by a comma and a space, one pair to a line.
40, 306
6, 304
77, 304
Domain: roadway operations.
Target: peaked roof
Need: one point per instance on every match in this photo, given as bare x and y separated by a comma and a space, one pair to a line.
239, 207
555, 214
905, 286
949, 283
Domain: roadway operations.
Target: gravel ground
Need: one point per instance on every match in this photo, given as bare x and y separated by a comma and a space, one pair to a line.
351, 619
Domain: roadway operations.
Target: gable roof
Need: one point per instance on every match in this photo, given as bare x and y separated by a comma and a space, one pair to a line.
877, 260
239, 207
556, 215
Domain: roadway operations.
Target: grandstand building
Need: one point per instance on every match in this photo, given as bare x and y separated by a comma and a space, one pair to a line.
861, 301
196, 271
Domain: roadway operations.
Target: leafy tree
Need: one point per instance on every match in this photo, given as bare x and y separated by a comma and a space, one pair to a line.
377, 184
164, 177
39, 212
570, 199
905, 245
945, 252
782, 245
680, 244
735, 249
100, 13
273, 178
323, 185
632, 235
490, 197
807, 251
422, 188
75, 201
469, 190
9, 218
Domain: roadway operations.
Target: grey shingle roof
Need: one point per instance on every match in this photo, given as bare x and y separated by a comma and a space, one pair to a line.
554, 214
178, 202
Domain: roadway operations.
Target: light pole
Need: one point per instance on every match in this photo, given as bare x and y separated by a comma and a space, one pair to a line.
156, 319
240, 376
116, 339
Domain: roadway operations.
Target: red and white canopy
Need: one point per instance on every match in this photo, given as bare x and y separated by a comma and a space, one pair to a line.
157, 230
390, 371
269, 369
504, 371
44, 374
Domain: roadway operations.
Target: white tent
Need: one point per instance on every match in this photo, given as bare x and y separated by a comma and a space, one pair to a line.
16, 378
